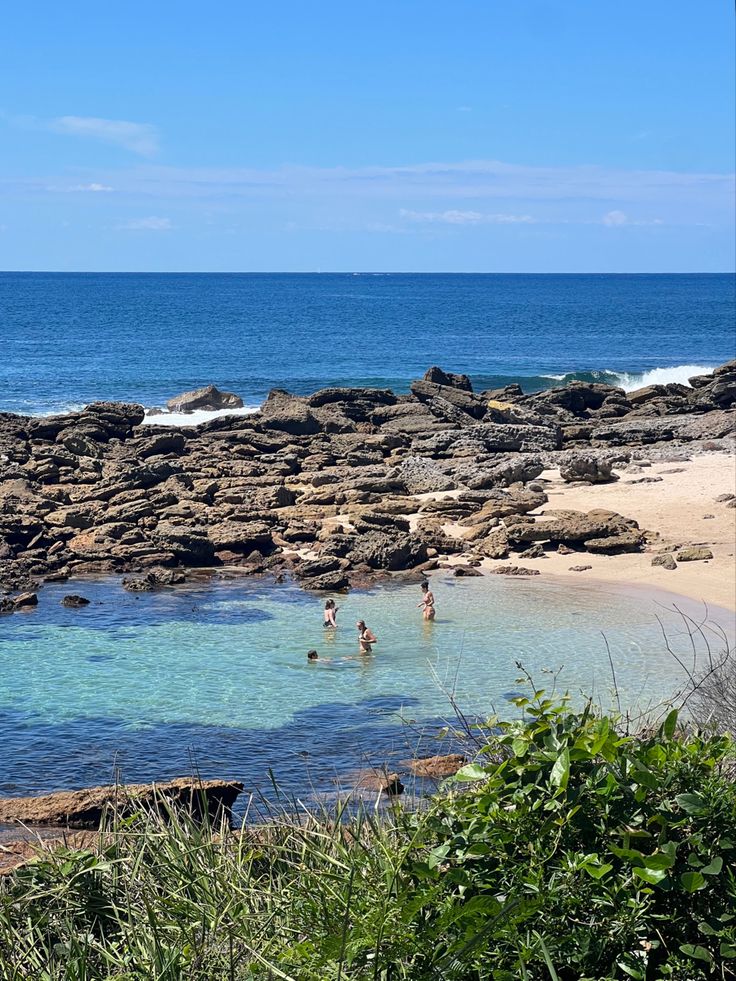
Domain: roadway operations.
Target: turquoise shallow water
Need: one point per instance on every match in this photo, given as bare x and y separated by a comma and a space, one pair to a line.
214, 677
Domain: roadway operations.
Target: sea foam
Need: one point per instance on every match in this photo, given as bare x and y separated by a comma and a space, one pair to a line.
159, 418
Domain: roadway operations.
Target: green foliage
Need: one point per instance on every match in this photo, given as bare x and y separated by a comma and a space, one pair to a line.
568, 850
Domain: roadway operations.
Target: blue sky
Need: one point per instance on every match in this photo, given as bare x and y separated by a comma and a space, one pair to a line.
473, 135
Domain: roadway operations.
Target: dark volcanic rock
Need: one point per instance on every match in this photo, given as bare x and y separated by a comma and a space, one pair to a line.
447, 378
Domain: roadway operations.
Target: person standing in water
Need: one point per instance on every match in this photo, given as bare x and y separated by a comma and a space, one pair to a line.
427, 602
366, 638
331, 614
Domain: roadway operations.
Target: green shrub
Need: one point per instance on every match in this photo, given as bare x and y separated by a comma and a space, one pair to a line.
568, 850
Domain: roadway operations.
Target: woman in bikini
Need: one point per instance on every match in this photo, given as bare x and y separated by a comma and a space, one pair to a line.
427, 602
366, 638
331, 614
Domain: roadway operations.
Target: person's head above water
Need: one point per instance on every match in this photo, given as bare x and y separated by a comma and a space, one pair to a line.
425, 587
360, 624
329, 604
312, 656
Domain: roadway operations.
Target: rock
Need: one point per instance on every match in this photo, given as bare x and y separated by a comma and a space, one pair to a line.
440, 377
331, 582
25, 600
564, 550
74, 601
288, 414
645, 480
208, 397
588, 468
189, 545
471, 405
422, 476
437, 767
627, 541
580, 568
535, 552
665, 560
86, 808
725, 498
573, 526
391, 552
694, 553
465, 571
382, 783
513, 570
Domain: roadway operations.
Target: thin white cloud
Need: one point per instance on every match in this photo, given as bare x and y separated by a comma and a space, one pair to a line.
150, 224
93, 188
616, 219
453, 217
139, 138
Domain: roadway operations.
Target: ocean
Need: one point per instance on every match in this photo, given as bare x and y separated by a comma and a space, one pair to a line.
72, 338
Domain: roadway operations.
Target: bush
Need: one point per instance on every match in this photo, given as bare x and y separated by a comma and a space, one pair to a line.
569, 850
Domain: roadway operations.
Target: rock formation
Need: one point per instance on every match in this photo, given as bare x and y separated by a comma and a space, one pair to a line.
337, 487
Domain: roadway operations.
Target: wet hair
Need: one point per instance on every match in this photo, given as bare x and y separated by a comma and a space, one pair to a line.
361, 624
312, 655
425, 586
329, 604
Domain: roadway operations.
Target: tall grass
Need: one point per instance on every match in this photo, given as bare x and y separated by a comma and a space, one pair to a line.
569, 850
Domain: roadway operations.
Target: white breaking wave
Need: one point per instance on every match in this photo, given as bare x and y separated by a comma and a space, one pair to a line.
194, 418
661, 376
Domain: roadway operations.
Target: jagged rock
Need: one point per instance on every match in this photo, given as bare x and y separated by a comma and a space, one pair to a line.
25, 600
74, 601
535, 552
573, 526
666, 560
422, 476
437, 767
326, 582
288, 414
440, 377
191, 546
610, 544
86, 808
580, 568
694, 553
382, 783
513, 570
241, 537
587, 467
392, 552
208, 397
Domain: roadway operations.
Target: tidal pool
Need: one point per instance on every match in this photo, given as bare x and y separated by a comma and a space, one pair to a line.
213, 678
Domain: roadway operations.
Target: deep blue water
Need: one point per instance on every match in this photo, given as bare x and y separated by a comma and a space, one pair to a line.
70, 338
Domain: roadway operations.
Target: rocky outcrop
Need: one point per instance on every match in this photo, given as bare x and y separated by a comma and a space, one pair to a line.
86, 808
382, 482
209, 397
586, 468
437, 767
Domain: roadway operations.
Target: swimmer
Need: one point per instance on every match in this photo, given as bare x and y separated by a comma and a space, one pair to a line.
427, 602
313, 656
331, 614
366, 638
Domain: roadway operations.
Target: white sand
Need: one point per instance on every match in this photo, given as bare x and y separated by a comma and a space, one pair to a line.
675, 508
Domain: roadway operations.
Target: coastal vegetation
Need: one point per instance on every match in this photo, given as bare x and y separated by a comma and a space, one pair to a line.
571, 848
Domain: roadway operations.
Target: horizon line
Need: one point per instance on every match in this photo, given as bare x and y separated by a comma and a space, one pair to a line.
352, 272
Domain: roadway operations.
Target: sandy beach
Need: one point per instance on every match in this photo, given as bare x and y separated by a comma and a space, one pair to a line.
680, 509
